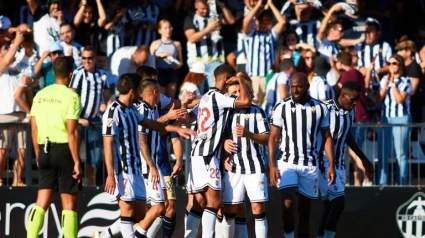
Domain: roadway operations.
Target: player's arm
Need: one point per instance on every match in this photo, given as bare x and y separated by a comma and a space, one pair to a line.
146, 153
108, 143
74, 146
273, 144
351, 142
162, 128
244, 100
257, 138
172, 114
329, 151
178, 152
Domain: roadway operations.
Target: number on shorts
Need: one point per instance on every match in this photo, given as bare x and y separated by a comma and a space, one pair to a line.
214, 173
155, 186
125, 182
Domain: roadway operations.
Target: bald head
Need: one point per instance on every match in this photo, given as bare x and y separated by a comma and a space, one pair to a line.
299, 86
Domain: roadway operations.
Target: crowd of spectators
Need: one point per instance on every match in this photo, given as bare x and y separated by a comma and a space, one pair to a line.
377, 43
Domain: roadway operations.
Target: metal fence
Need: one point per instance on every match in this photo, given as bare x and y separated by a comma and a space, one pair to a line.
371, 147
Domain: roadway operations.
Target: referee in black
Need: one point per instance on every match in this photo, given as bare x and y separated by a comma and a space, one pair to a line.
54, 122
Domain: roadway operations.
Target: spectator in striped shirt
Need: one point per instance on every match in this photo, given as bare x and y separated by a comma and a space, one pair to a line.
122, 156
92, 86
142, 22
198, 29
373, 49
247, 132
341, 119
260, 44
395, 91
296, 123
305, 27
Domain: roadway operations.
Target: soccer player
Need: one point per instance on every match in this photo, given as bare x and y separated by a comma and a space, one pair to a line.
341, 115
249, 129
54, 123
204, 173
122, 154
296, 123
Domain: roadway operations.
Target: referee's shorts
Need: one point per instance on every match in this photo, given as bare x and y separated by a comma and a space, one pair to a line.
56, 169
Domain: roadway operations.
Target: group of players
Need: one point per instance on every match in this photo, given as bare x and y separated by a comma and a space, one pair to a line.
304, 141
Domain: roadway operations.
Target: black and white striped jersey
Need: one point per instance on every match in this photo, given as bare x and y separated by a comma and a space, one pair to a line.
206, 50
248, 159
341, 122
90, 87
151, 113
306, 31
122, 122
320, 89
300, 126
381, 50
260, 52
213, 112
392, 108
144, 15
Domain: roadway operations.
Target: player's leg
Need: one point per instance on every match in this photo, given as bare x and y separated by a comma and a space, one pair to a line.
155, 198
288, 188
169, 219
323, 188
256, 188
337, 203
47, 184
233, 195
194, 209
157, 223
241, 229
308, 189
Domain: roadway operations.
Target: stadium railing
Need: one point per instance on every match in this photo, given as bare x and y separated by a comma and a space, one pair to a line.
415, 156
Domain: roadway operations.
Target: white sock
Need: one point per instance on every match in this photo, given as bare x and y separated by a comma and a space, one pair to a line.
241, 230
261, 227
191, 223
140, 232
154, 227
329, 234
112, 230
126, 227
289, 235
228, 226
208, 222
219, 226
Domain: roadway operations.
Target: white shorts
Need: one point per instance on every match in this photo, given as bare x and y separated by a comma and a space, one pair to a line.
201, 176
154, 191
235, 185
129, 188
334, 190
305, 178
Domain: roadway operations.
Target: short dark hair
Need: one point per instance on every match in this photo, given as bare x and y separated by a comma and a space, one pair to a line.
146, 72
147, 83
345, 58
285, 65
128, 81
351, 86
63, 66
265, 14
224, 69
89, 48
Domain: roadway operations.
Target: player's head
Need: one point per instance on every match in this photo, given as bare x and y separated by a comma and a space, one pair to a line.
128, 84
287, 66
223, 73
299, 86
233, 88
63, 67
350, 95
201, 7
147, 72
150, 91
